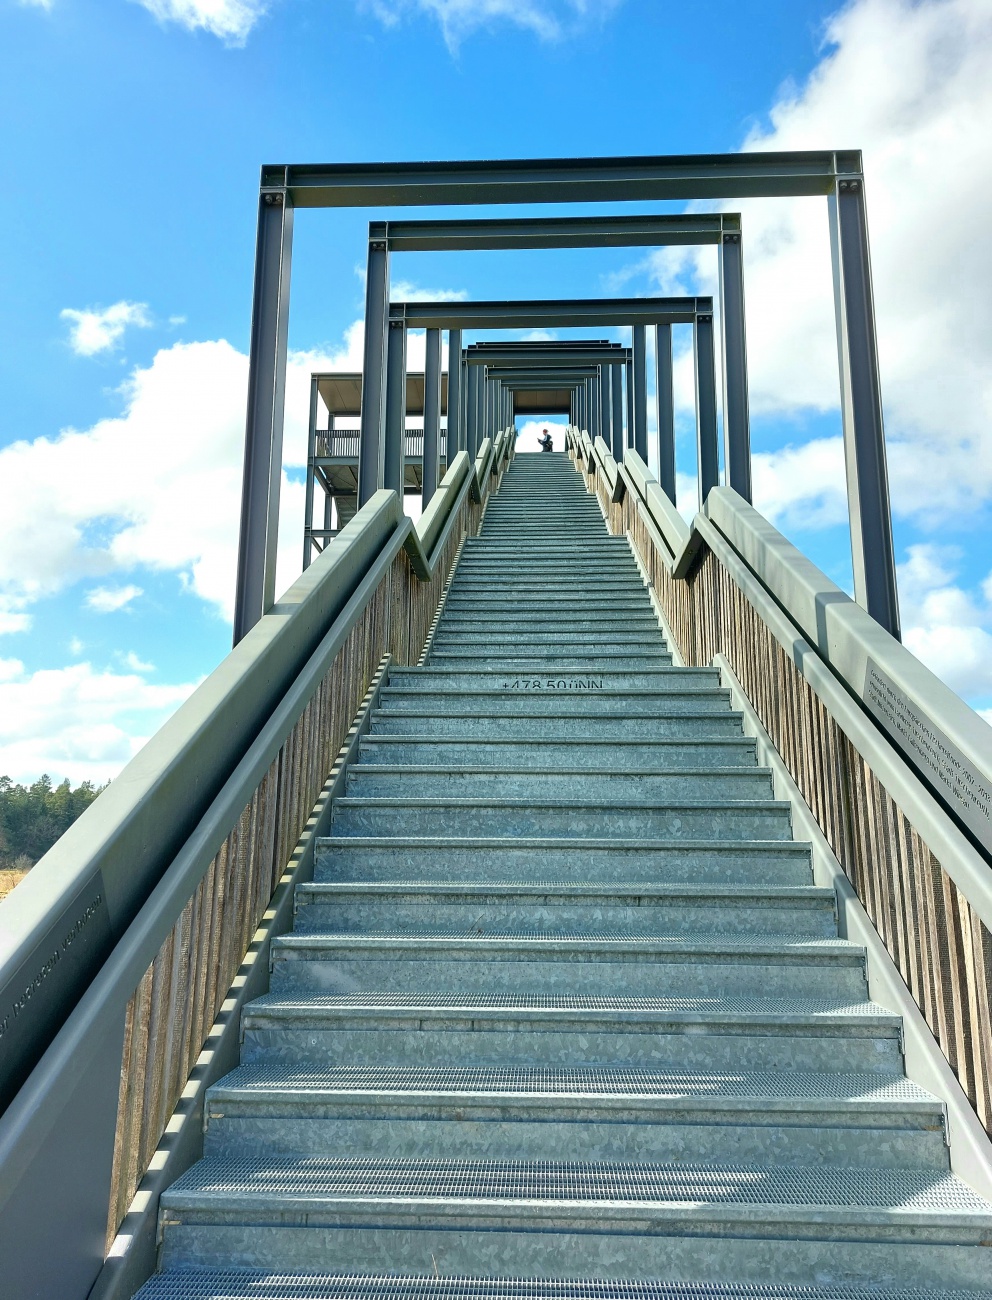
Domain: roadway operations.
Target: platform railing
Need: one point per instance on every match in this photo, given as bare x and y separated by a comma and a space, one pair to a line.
894, 768
125, 952
342, 444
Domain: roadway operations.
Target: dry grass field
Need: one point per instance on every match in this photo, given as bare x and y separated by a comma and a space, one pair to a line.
8, 879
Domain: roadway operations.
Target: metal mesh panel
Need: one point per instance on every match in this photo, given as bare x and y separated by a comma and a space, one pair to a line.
255, 1285
580, 1182
584, 1081
728, 1006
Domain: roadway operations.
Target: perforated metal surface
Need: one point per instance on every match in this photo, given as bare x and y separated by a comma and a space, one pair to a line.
578, 1081
573, 1002
577, 1182
561, 938
253, 1285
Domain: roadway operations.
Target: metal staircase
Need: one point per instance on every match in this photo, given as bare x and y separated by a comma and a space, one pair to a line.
563, 1014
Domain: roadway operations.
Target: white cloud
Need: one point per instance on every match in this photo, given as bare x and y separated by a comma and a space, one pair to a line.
95, 330
76, 647
549, 20
106, 600
10, 669
907, 82
802, 487
82, 505
12, 617
230, 20
528, 432
947, 627
77, 722
407, 291
36, 4
132, 661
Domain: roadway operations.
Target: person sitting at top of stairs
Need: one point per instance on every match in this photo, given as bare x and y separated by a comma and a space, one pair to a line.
544, 442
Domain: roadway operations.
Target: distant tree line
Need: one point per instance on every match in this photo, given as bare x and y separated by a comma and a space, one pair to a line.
32, 817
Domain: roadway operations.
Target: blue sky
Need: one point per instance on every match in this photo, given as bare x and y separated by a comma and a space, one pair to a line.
132, 135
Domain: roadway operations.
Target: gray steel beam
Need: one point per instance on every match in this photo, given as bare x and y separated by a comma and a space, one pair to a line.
736, 430
472, 423
558, 232
664, 389
605, 405
639, 371
548, 376
370, 438
255, 589
394, 443
545, 314
456, 422
311, 452
628, 375
432, 415
553, 180
497, 360
707, 443
616, 419
861, 408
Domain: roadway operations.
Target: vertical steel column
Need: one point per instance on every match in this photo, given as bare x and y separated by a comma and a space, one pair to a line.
629, 406
328, 502
640, 392
707, 444
463, 414
594, 401
456, 381
736, 431
472, 425
664, 388
394, 442
370, 437
432, 414
255, 591
861, 408
605, 405
311, 452
616, 419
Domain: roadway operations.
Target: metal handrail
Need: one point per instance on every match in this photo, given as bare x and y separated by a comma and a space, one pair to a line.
831, 646
111, 889
342, 443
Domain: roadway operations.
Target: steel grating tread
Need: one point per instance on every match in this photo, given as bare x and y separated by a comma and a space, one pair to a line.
574, 845
575, 1081
651, 805
254, 1284
686, 941
303, 1178
478, 769
569, 889
726, 1007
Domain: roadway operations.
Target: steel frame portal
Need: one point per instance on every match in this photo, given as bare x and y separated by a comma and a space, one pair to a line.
544, 314
836, 175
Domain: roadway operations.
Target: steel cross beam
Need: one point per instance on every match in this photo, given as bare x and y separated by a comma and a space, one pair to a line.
561, 180
548, 313
723, 229
637, 312
837, 175
498, 358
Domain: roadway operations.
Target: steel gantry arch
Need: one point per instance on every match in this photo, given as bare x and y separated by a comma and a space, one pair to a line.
836, 175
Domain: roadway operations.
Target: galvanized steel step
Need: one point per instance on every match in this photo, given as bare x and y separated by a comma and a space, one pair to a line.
731, 1032
744, 910
708, 863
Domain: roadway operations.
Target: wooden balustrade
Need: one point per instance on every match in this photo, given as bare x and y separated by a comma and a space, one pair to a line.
178, 1000
936, 940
